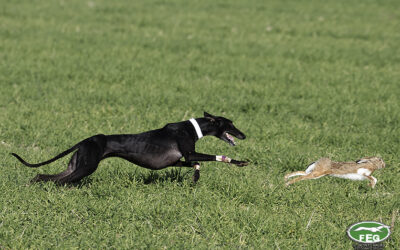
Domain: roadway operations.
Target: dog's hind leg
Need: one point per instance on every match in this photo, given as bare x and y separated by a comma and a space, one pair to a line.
87, 159
83, 163
54, 177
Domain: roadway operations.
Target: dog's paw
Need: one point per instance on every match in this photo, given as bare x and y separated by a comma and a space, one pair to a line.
240, 163
243, 163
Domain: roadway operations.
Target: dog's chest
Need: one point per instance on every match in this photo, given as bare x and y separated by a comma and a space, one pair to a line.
359, 176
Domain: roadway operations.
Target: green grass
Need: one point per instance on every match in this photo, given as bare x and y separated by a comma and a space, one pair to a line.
302, 79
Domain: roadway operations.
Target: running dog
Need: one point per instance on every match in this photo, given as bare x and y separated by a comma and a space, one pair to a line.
156, 149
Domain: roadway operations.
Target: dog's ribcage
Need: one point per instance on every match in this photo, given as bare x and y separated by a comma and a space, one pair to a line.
143, 150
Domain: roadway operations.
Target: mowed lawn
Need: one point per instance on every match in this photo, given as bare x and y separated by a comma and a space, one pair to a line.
302, 79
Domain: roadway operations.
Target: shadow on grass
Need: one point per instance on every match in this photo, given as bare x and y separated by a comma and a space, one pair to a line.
82, 183
149, 177
172, 175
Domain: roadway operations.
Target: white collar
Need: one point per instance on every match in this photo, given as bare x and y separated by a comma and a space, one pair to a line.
196, 127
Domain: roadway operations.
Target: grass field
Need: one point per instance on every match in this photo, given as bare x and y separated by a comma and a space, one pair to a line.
302, 79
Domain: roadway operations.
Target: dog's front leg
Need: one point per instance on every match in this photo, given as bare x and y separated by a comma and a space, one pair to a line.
193, 156
196, 175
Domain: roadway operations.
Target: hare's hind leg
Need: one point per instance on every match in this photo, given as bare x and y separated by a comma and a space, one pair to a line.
311, 167
309, 170
294, 174
312, 175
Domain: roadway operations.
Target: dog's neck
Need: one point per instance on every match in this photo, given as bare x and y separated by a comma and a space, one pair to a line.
196, 128
205, 126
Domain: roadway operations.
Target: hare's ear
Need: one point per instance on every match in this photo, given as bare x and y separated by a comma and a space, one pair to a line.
362, 161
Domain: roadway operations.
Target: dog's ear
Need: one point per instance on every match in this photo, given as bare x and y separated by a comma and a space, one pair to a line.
209, 116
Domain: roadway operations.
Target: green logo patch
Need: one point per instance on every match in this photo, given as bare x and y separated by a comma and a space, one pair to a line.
368, 232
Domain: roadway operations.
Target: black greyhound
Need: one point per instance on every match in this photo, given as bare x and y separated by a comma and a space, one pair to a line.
156, 149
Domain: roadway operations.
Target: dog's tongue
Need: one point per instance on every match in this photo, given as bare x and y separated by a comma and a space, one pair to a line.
230, 138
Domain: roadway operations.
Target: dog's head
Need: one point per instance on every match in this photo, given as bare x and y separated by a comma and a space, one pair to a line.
223, 129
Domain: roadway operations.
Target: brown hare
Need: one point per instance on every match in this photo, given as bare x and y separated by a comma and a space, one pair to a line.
358, 170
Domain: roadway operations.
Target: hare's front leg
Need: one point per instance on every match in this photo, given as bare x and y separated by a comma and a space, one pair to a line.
372, 180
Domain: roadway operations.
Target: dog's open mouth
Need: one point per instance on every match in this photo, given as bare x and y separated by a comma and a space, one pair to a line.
230, 139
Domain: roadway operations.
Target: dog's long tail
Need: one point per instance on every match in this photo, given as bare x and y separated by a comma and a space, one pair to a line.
73, 148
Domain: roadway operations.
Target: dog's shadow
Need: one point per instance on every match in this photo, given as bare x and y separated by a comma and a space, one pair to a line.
151, 177
148, 177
